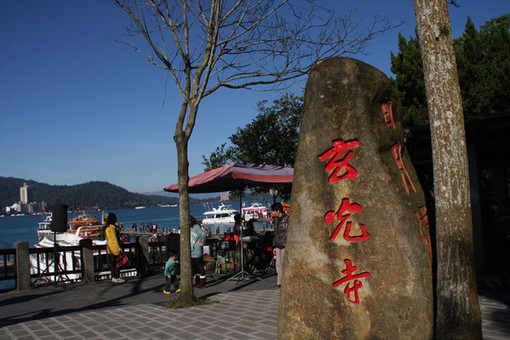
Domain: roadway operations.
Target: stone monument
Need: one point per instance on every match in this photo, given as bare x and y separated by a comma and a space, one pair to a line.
358, 259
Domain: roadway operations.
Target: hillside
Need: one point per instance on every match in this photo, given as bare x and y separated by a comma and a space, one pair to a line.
89, 195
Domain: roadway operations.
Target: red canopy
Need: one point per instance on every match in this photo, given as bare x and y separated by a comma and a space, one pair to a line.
237, 176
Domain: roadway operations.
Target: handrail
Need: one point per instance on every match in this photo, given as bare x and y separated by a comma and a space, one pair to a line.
45, 265
72, 269
8, 264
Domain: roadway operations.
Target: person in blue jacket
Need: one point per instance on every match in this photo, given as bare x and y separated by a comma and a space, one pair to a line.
170, 274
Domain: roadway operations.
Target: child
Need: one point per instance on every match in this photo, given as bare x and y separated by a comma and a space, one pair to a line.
170, 269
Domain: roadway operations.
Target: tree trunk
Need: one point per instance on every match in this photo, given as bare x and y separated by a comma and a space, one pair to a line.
458, 312
181, 142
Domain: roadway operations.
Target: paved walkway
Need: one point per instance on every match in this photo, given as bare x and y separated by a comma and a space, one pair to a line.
495, 306
246, 310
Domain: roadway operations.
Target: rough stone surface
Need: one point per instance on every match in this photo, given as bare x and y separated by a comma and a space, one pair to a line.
343, 100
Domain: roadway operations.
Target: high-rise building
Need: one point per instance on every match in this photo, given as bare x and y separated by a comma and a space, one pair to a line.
224, 196
23, 193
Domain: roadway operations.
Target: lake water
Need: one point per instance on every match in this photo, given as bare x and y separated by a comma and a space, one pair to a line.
24, 228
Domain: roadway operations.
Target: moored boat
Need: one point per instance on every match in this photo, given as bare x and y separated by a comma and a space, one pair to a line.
44, 227
224, 214
167, 205
82, 220
256, 211
87, 225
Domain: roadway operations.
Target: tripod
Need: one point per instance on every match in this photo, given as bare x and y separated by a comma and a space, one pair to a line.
242, 275
58, 269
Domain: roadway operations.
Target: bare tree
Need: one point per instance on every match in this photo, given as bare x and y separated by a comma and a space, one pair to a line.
458, 311
209, 44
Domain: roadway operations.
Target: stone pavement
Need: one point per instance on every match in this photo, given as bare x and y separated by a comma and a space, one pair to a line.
246, 310
495, 307
249, 315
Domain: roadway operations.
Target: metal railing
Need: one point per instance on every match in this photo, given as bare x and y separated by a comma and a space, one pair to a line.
7, 264
66, 268
102, 261
157, 253
70, 269
144, 258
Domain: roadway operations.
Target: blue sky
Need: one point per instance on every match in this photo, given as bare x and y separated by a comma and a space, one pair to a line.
77, 106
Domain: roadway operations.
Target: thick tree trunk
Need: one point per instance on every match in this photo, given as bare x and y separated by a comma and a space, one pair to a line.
186, 285
458, 312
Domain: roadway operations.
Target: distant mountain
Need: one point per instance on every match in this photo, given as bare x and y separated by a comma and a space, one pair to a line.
162, 193
248, 196
89, 195
214, 196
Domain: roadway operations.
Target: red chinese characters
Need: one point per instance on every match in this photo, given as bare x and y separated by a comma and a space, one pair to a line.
387, 111
339, 156
423, 220
335, 164
351, 278
343, 215
396, 150
397, 154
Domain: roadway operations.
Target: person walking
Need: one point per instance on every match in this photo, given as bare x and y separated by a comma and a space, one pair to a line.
112, 246
280, 224
170, 274
198, 238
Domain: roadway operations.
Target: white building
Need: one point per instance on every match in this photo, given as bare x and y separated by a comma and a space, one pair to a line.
224, 196
23, 194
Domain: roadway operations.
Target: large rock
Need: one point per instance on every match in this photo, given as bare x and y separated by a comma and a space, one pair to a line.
358, 257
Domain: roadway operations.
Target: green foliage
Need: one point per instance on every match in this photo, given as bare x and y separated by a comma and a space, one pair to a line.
89, 195
483, 64
408, 67
271, 138
483, 59
218, 158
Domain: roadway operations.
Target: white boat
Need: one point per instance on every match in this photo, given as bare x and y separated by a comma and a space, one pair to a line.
256, 211
224, 214
44, 227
